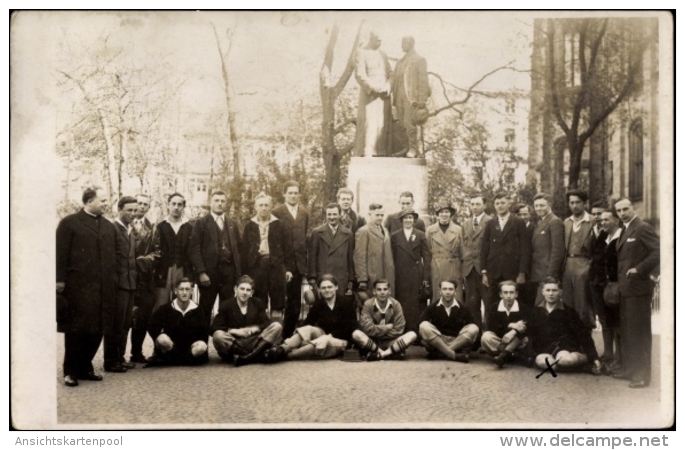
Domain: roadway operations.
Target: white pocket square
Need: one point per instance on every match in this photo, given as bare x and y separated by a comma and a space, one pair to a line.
542, 232
631, 240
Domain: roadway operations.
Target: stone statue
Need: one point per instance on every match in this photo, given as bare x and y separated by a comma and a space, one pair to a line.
410, 91
374, 116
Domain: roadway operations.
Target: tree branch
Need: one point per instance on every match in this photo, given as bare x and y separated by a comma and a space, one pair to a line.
349, 68
341, 126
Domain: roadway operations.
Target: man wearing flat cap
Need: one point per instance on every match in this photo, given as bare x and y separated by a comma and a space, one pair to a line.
446, 243
412, 259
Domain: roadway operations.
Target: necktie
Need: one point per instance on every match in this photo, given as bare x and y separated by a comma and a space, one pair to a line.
220, 222
475, 222
381, 230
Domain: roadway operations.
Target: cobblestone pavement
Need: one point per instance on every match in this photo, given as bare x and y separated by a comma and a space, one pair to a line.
416, 392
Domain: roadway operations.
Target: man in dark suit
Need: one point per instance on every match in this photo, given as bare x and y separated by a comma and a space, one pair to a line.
348, 217
241, 328
392, 221
505, 251
215, 253
473, 229
268, 255
127, 282
331, 251
86, 277
528, 289
548, 249
172, 243
144, 299
638, 255
296, 219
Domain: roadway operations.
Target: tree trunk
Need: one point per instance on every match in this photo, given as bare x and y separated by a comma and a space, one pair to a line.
576, 155
230, 123
111, 157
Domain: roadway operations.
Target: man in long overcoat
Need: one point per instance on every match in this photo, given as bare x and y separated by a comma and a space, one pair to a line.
473, 229
86, 278
373, 252
446, 242
412, 257
547, 244
331, 248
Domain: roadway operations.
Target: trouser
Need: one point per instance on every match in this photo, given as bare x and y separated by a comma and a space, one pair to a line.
405, 112
428, 332
528, 293
576, 289
115, 340
476, 292
563, 359
269, 283
493, 343
227, 345
222, 283
636, 337
396, 345
144, 303
293, 304
163, 295
79, 351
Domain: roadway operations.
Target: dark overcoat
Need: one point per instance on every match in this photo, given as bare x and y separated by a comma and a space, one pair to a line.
205, 243
86, 263
297, 229
332, 254
412, 268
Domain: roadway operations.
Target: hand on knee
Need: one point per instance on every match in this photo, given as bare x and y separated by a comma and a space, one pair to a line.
164, 343
542, 360
198, 348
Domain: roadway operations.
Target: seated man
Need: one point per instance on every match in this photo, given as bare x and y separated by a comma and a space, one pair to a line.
327, 330
179, 330
242, 328
559, 336
446, 327
506, 325
381, 326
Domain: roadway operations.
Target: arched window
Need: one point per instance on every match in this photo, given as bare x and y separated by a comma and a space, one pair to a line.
635, 161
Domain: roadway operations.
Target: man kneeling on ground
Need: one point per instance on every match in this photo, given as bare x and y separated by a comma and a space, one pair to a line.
559, 337
506, 325
381, 326
327, 330
447, 328
242, 328
179, 330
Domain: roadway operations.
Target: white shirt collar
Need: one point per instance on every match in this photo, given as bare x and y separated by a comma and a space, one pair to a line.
627, 224
128, 227
502, 308
408, 232
191, 306
616, 235
90, 214
217, 216
480, 217
586, 218
449, 308
271, 219
377, 305
333, 230
168, 219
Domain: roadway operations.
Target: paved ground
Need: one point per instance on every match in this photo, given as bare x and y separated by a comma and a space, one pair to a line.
416, 392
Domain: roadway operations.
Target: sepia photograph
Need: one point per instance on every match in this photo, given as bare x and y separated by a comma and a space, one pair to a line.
342, 219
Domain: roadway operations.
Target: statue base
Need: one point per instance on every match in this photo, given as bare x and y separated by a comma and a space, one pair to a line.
382, 179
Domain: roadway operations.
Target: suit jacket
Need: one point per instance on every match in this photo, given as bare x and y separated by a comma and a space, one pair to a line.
127, 271
393, 223
588, 237
505, 253
373, 256
229, 315
638, 247
144, 246
598, 272
205, 243
86, 263
473, 239
280, 246
174, 248
353, 221
549, 250
332, 254
411, 76
412, 261
297, 229
371, 317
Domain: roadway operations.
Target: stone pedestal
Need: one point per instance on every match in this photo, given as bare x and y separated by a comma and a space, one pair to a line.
382, 179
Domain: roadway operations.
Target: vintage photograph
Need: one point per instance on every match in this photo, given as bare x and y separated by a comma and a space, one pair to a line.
342, 219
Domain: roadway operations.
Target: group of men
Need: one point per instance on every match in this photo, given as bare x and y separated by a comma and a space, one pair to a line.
380, 286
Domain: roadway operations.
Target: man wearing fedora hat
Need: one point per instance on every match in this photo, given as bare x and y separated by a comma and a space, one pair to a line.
373, 252
412, 257
393, 222
446, 243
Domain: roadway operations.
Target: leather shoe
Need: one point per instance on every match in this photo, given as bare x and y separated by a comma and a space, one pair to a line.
639, 384
70, 381
461, 357
117, 368
128, 365
275, 354
90, 376
373, 356
139, 358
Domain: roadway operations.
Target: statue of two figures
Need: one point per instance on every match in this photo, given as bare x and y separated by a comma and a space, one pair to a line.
406, 88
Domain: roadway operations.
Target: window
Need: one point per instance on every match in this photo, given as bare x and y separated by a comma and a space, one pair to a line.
197, 185
510, 107
635, 161
510, 138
